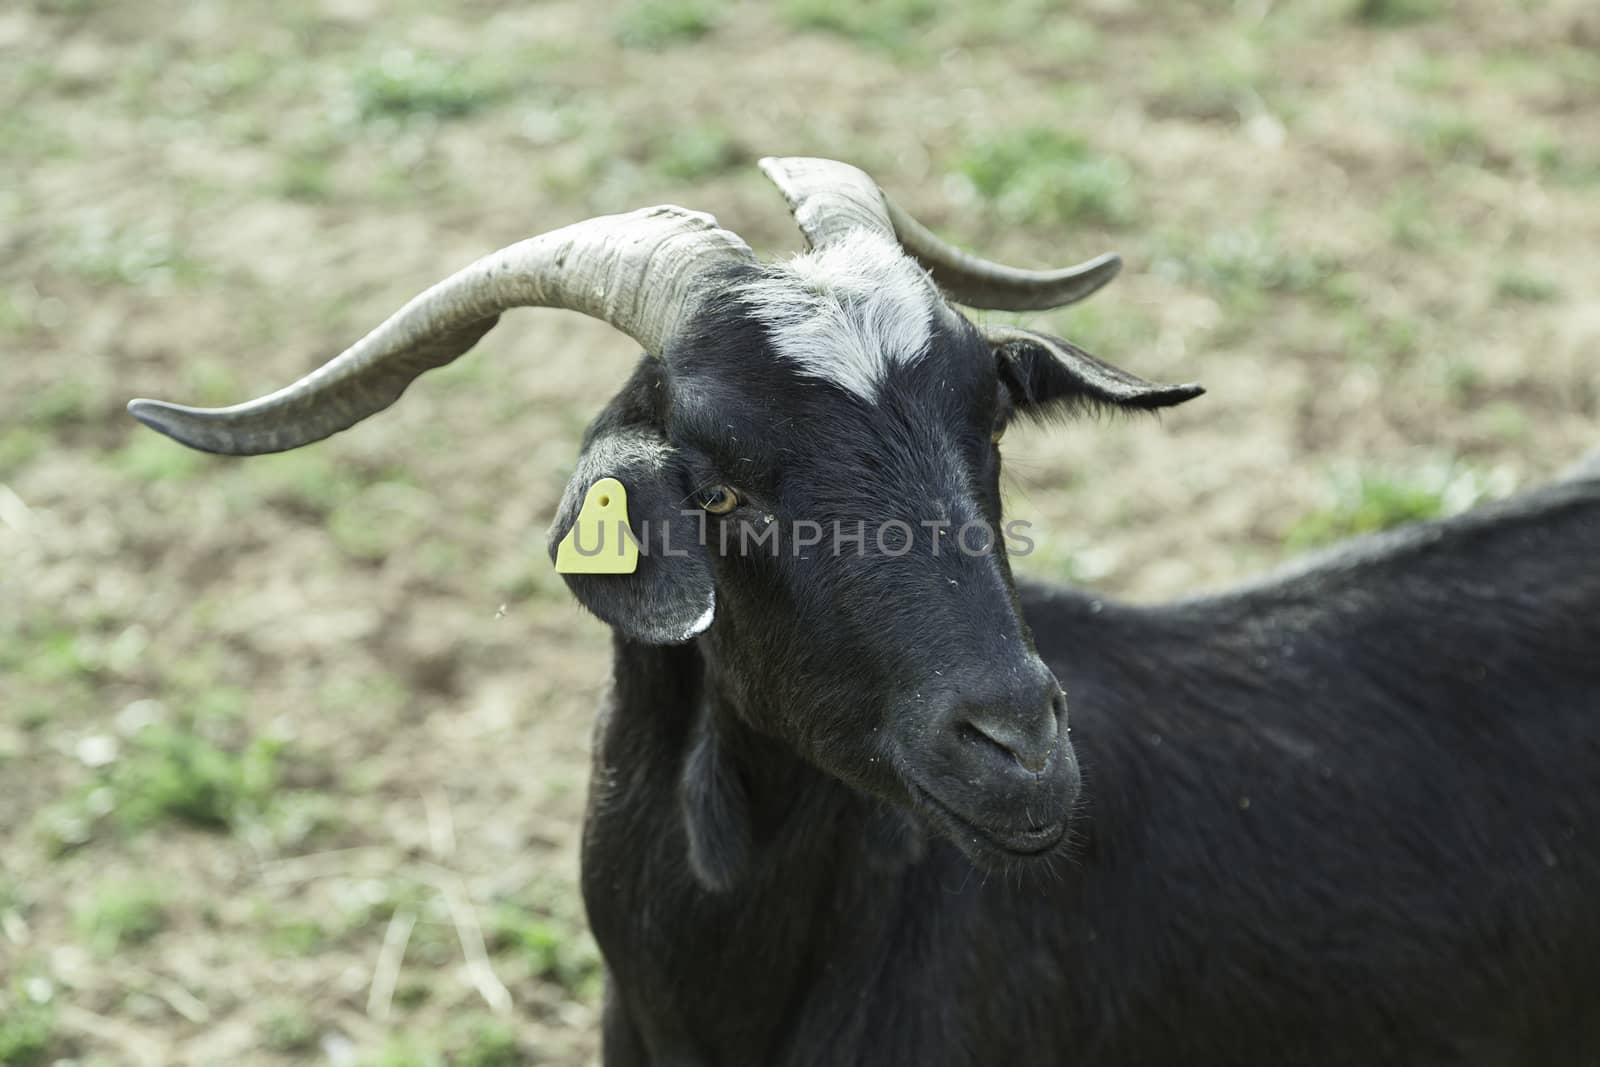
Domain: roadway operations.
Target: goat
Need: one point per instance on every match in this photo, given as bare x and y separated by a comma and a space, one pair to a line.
1348, 814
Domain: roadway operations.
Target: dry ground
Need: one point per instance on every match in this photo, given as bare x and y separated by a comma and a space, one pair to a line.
258, 716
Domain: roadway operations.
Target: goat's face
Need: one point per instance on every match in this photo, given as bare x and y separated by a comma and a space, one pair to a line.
822, 444
810, 463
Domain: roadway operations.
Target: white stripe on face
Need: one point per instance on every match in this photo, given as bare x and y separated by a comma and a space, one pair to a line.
848, 312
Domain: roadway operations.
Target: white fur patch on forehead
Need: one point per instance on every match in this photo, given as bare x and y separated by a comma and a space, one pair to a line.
848, 312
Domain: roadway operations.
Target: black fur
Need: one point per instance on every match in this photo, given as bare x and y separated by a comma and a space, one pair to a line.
1349, 815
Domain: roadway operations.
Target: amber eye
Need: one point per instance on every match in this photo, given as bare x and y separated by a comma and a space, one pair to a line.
719, 499
997, 433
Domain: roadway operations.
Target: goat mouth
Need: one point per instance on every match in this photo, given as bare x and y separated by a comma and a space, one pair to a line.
1020, 844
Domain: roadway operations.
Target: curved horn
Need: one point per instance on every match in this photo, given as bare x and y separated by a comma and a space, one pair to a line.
641, 272
829, 199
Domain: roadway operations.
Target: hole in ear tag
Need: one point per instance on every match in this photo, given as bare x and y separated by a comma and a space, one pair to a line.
600, 541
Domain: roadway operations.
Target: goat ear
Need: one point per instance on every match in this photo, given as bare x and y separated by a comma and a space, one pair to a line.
1048, 373
671, 596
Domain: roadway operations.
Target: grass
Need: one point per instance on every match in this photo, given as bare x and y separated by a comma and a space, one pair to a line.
355, 692
891, 25
1459, 374
663, 23
142, 255
175, 774
1052, 559
299, 819
544, 927
1384, 340
1413, 222
27, 1029
121, 915
58, 404
1369, 501
696, 152
1114, 333
50, 650
1522, 285
166, 774
1241, 265
287, 1028
1427, 74
150, 458
239, 75
1449, 137
23, 137
1393, 12
403, 1053
15, 316
1561, 165
51, 654
484, 1042
18, 445
309, 483
68, 8
1506, 421
379, 520
1221, 82
296, 937
475, 1041
1043, 175
1052, 29
11, 896
404, 83
305, 175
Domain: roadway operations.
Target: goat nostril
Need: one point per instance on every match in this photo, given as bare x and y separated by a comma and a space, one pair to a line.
1033, 758
977, 735
1036, 758
1034, 764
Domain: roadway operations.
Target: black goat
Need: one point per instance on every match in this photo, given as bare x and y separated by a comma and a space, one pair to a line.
1344, 816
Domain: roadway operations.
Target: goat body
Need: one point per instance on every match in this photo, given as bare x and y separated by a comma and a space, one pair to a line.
1344, 816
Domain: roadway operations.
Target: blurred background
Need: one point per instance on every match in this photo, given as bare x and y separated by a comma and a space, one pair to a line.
293, 749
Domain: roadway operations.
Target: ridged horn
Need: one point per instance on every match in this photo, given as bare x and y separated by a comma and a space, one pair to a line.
830, 198
640, 272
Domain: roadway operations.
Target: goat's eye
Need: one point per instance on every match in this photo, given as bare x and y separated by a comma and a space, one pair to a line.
719, 499
998, 432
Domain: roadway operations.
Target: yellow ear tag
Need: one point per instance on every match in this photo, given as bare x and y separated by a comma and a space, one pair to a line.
600, 541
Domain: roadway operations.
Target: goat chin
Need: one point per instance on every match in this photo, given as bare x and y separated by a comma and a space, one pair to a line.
994, 850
